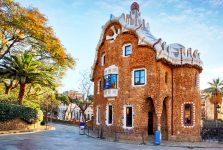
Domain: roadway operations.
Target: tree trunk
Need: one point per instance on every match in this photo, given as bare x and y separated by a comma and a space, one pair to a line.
7, 90
71, 115
64, 117
215, 112
83, 115
21, 92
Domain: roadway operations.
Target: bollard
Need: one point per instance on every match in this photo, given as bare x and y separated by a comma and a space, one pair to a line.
157, 138
143, 141
116, 137
81, 128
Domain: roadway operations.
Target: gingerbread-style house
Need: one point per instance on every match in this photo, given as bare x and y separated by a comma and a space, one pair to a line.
140, 82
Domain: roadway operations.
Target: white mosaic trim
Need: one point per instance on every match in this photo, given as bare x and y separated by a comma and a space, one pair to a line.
182, 115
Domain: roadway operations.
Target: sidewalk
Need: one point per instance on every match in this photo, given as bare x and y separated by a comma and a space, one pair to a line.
25, 131
208, 144
149, 142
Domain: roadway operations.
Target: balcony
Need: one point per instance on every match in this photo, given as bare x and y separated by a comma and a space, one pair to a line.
109, 93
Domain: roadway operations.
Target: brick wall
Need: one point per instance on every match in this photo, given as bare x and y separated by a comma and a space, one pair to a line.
156, 88
17, 124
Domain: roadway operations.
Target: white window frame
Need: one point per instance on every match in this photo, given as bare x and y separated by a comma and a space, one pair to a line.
98, 117
103, 60
124, 117
123, 49
107, 115
133, 77
193, 115
99, 86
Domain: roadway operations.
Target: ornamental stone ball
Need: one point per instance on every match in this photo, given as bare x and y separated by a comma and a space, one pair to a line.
135, 6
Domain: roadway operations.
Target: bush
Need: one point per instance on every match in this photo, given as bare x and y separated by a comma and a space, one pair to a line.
11, 111
29, 103
12, 99
39, 115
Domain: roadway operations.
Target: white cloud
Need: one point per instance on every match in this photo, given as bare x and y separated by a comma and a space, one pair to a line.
209, 74
216, 2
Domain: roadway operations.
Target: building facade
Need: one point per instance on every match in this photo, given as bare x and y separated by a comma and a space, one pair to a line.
140, 82
208, 108
72, 111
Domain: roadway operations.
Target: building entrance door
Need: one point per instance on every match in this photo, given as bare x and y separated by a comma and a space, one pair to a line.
150, 123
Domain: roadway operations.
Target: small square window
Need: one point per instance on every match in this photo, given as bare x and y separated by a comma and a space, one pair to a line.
128, 50
110, 81
139, 77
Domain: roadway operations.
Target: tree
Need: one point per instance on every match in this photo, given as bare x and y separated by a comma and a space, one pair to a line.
26, 70
65, 100
9, 85
84, 101
214, 93
26, 29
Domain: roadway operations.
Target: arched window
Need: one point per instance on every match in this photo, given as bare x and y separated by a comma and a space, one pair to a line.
103, 60
166, 77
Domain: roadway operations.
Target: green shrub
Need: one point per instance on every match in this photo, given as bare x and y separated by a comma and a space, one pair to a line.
12, 99
39, 115
11, 111
29, 103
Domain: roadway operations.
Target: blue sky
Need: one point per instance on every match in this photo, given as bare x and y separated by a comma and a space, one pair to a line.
193, 23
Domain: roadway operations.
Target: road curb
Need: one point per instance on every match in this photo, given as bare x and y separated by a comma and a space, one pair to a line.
11, 132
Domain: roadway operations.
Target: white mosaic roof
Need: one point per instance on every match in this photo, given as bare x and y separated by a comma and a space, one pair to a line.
175, 53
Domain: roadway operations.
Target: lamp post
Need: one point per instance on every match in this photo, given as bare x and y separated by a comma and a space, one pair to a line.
215, 99
218, 108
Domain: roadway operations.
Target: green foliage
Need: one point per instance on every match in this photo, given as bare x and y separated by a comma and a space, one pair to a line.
63, 99
214, 85
31, 104
27, 29
11, 99
26, 70
39, 115
11, 111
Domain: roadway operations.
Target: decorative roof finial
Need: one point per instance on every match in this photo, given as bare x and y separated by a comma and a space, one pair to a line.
135, 6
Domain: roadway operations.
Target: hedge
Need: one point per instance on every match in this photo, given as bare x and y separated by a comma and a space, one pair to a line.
12, 111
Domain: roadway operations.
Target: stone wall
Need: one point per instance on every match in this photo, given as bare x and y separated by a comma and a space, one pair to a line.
186, 91
156, 90
17, 124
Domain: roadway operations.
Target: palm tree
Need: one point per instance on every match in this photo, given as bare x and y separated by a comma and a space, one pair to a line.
26, 70
214, 92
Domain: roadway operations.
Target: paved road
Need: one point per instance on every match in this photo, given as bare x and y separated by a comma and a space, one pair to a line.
68, 138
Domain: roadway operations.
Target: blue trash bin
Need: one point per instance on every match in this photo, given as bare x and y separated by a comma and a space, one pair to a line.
81, 128
157, 138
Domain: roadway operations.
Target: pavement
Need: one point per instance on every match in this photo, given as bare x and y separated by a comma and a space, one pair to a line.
67, 137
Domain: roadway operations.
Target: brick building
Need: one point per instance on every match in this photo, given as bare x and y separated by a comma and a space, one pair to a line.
140, 82
208, 108
72, 111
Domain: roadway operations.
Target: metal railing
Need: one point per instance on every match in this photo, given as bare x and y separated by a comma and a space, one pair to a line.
117, 133
212, 131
